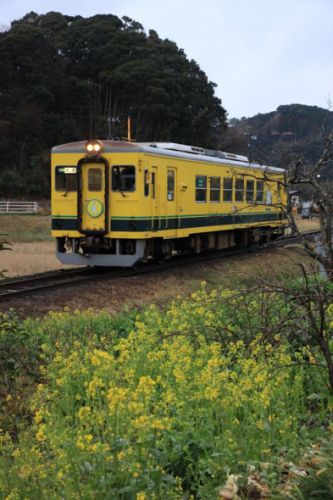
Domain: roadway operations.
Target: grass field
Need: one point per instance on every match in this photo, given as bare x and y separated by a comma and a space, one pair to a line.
32, 247
26, 228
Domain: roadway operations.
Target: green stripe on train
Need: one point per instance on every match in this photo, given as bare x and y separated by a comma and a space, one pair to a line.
141, 224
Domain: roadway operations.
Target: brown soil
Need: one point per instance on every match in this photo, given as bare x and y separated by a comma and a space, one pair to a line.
161, 287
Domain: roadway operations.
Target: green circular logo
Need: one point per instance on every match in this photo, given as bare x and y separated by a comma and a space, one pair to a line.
94, 208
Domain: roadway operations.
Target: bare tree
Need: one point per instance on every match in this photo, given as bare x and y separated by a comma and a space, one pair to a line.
300, 174
313, 294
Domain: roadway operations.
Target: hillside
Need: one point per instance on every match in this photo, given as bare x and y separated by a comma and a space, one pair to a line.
292, 131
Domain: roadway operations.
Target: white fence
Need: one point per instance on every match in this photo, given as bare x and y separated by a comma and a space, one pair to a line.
18, 207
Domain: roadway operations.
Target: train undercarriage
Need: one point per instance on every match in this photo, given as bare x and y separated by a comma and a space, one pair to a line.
95, 250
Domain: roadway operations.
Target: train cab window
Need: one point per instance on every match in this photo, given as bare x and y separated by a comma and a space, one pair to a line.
239, 190
249, 191
171, 185
200, 188
227, 189
65, 179
123, 178
215, 188
95, 179
260, 192
146, 182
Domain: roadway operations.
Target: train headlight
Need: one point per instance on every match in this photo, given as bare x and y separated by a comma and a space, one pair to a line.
94, 147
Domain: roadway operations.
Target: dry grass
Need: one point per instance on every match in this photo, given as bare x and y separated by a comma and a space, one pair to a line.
307, 224
29, 258
33, 248
26, 227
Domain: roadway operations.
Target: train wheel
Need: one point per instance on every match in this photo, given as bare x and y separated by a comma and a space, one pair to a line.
163, 250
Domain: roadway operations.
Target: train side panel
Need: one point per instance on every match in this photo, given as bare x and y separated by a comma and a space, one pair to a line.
150, 199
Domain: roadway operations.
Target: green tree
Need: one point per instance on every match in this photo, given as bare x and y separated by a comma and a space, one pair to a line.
61, 77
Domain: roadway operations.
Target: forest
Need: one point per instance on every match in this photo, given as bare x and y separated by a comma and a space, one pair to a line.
63, 77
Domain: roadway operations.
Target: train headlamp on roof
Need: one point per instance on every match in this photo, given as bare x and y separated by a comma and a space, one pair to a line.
94, 148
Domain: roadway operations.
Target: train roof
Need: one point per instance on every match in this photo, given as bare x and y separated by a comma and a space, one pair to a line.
174, 150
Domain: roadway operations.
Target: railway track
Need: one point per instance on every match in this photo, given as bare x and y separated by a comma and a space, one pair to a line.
28, 285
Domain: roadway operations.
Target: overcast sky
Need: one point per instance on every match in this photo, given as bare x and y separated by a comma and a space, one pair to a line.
260, 53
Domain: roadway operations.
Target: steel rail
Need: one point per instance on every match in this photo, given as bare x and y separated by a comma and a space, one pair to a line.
28, 285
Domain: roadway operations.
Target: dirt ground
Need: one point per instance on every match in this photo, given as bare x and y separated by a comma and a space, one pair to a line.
29, 258
114, 295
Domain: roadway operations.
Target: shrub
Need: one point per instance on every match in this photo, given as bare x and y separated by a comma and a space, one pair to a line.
162, 410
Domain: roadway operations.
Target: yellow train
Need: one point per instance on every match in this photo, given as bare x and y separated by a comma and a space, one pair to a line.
115, 203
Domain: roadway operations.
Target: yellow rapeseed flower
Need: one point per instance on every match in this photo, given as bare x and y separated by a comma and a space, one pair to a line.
40, 435
84, 412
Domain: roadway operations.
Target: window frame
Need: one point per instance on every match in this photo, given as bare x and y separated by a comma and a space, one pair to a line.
100, 171
170, 192
146, 187
123, 190
153, 185
203, 189
262, 191
65, 189
228, 190
214, 189
247, 191
237, 190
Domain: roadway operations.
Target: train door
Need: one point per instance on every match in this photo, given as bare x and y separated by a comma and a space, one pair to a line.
155, 212
171, 221
93, 197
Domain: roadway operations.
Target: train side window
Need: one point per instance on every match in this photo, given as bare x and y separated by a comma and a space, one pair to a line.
146, 182
200, 188
268, 197
278, 191
95, 179
215, 189
249, 191
123, 178
65, 179
153, 185
239, 190
260, 192
227, 189
171, 185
